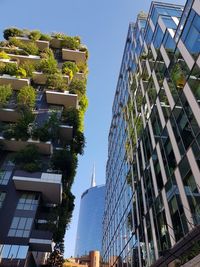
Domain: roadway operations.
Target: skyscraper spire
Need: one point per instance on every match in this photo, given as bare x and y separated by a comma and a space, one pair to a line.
93, 181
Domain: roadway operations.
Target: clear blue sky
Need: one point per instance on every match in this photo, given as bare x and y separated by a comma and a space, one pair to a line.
103, 27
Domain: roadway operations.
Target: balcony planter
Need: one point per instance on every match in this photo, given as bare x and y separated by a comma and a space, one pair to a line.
22, 58
40, 44
49, 184
79, 75
66, 78
73, 55
61, 98
39, 77
15, 83
16, 145
9, 115
8, 61
65, 132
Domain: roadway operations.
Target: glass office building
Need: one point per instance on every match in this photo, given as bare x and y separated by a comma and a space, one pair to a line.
89, 233
152, 206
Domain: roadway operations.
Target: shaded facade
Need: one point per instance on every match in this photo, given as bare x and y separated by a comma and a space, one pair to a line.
152, 206
89, 231
31, 183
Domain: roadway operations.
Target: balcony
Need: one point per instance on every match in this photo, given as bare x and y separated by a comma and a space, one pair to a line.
41, 241
49, 184
61, 98
15, 83
14, 145
22, 58
65, 132
40, 44
9, 115
73, 55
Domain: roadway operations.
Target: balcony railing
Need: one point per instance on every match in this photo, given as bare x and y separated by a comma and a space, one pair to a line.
41, 241
15, 82
73, 55
61, 98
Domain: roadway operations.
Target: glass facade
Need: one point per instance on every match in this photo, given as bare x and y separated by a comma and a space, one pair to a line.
89, 233
152, 177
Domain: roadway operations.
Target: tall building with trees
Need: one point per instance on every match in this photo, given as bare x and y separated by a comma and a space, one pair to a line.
152, 206
42, 105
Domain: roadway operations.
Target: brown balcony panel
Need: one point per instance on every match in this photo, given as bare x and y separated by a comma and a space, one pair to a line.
41, 241
49, 184
73, 55
9, 115
39, 77
40, 43
13, 81
65, 132
16, 145
61, 98
22, 58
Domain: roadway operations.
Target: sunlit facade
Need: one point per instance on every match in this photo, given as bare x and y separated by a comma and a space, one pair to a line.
152, 206
89, 233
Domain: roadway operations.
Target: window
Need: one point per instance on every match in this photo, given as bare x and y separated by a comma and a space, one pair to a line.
28, 202
20, 227
2, 197
4, 177
13, 251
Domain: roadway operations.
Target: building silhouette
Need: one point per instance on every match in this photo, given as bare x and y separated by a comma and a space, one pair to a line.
89, 231
152, 206
38, 118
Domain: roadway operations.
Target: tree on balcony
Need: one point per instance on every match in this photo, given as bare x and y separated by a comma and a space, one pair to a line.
56, 82
26, 97
5, 94
10, 32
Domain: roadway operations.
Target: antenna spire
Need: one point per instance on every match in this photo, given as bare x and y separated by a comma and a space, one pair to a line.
93, 181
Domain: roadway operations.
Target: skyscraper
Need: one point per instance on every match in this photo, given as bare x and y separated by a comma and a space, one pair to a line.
42, 103
152, 208
89, 231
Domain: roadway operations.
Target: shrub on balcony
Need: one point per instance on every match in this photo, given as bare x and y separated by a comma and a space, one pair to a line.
77, 87
21, 73
82, 67
47, 53
78, 143
48, 65
71, 43
68, 72
45, 37
26, 97
21, 128
10, 69
28, 158
4, 55
5, 94
56, 82
8, 132
15, 42
83, 103
10, 32
2, 68
29, 67
71, 117
34, 35
31, 48
70, 65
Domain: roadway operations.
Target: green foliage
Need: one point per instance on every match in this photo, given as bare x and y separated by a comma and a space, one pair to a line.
48, 65
30, 48
56, 82
83, 103
8, 132
15, 42
21, 73
53, 126
47, 53
2, 68
35, 35
71, 118
26, 97
59, 35
28, 158
77, 87
82, 67
10, 69
68, 72
70, 65
4, 55
84, 49
5, 93
10, 32
45, 37
70, 43
41, 133
29, 67
78, 143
